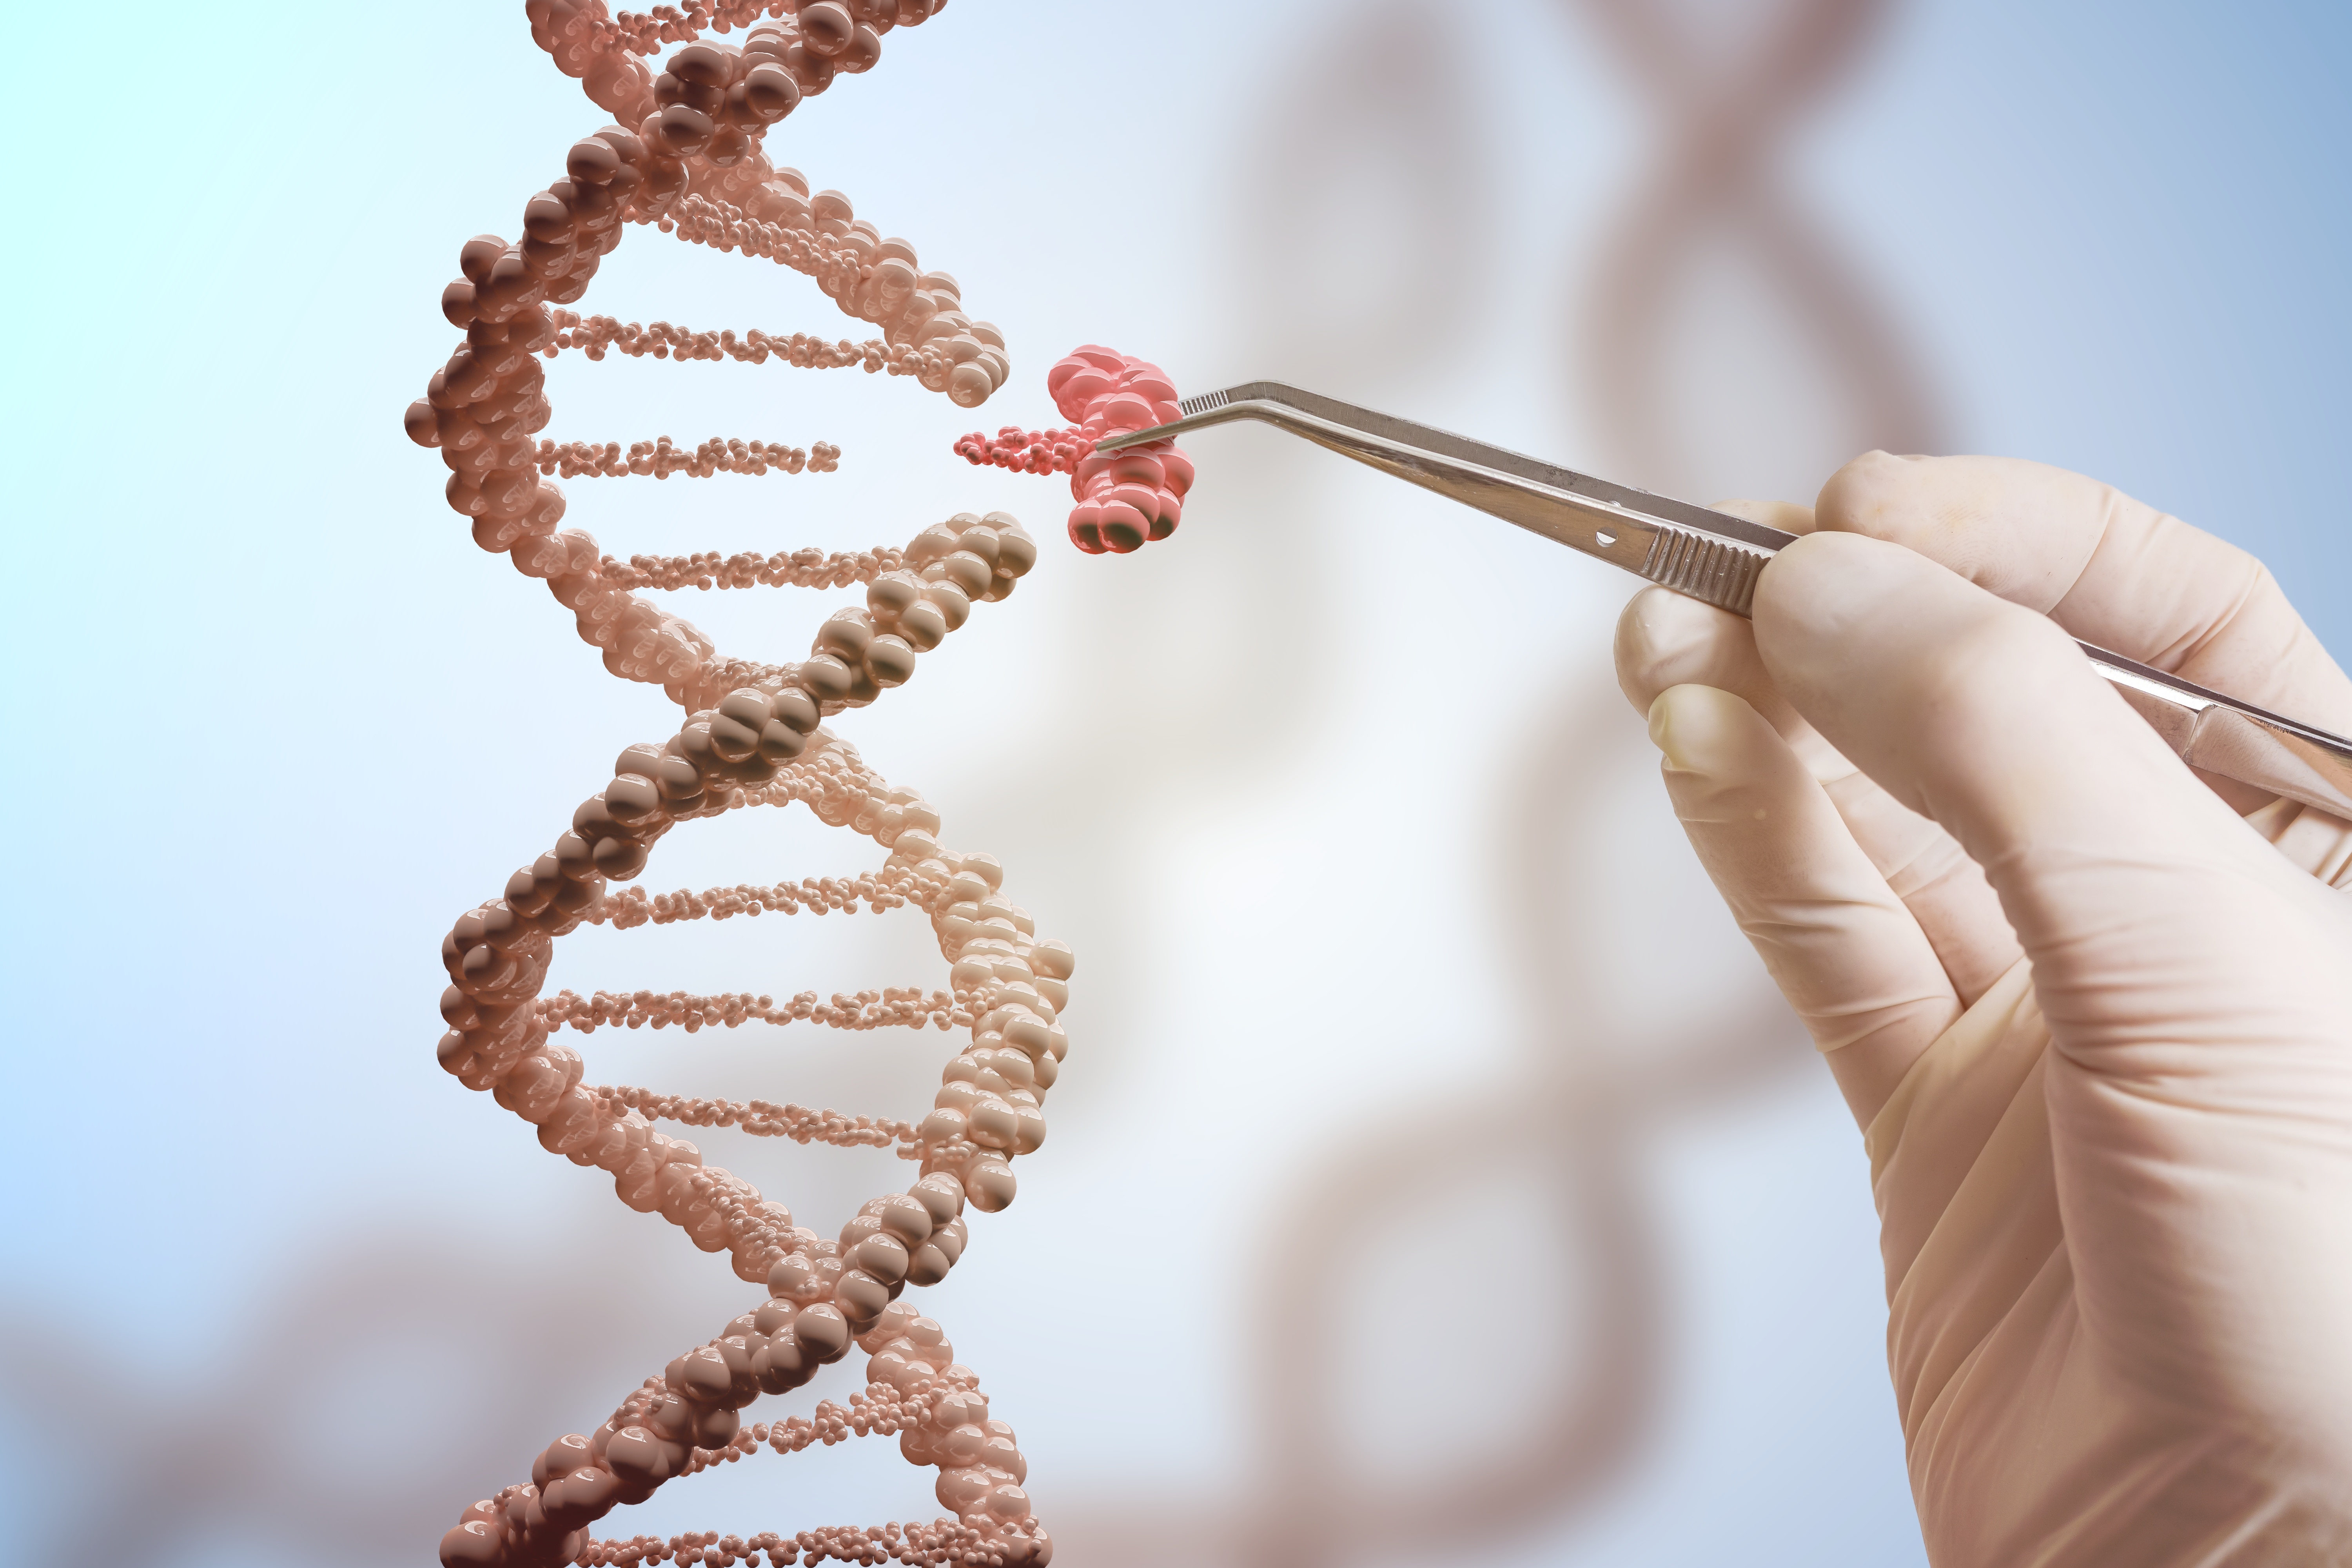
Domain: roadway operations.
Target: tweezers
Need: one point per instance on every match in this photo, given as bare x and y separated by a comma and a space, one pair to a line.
1716, 558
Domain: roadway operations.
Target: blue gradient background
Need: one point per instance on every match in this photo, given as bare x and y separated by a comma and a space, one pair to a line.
275, 720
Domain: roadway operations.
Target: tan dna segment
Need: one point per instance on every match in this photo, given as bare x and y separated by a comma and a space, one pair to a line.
685, 156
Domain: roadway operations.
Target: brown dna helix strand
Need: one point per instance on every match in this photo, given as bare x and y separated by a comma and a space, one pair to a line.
686, 156
1581, 1115
1726, 121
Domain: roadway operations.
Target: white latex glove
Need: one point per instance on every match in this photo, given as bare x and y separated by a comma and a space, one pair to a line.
2096, 1026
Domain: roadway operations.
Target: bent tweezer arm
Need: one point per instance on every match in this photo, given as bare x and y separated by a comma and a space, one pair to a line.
1714, 557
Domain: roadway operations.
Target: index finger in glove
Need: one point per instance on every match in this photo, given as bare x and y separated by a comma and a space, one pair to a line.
2199, 1093
1666, 640
2115, 571
1981, 715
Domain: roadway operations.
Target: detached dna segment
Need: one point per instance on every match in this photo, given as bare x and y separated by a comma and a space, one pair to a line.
685, 156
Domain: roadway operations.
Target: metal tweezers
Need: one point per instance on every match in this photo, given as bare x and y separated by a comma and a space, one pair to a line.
1716, 558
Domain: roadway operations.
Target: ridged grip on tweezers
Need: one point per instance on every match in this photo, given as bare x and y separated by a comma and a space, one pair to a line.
1719, 558
1722, 572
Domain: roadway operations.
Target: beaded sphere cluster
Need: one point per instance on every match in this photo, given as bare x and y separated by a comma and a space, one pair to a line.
686, 156
1125, 499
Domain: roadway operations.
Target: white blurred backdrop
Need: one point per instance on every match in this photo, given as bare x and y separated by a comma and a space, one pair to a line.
1378, 906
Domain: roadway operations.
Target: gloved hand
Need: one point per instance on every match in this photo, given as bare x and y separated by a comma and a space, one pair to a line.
2097, 1026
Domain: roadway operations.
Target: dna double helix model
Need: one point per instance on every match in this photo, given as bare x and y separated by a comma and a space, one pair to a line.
685, 156
1727, 122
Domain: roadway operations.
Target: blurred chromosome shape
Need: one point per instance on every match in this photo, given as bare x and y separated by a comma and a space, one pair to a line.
1728, 116
1570, 1130
686, 156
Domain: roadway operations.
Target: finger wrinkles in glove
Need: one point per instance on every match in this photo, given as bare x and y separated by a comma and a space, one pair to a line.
1927, 868
2205, 1168
2200, 1106
1929, 1142
1848, 956
2025, 1345
2310, 838
1967, 709
2113, 571
2130, 947
1666, 640
2127, 883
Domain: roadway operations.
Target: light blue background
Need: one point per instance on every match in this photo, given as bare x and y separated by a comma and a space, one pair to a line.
275, 720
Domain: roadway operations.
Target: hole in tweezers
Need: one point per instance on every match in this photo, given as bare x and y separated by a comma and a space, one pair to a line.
1604, 538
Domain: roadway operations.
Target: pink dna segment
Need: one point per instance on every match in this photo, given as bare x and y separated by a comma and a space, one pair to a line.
1125, 499
687, 158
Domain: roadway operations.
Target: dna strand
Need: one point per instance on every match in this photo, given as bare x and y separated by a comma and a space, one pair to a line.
1725, 121
686, 156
